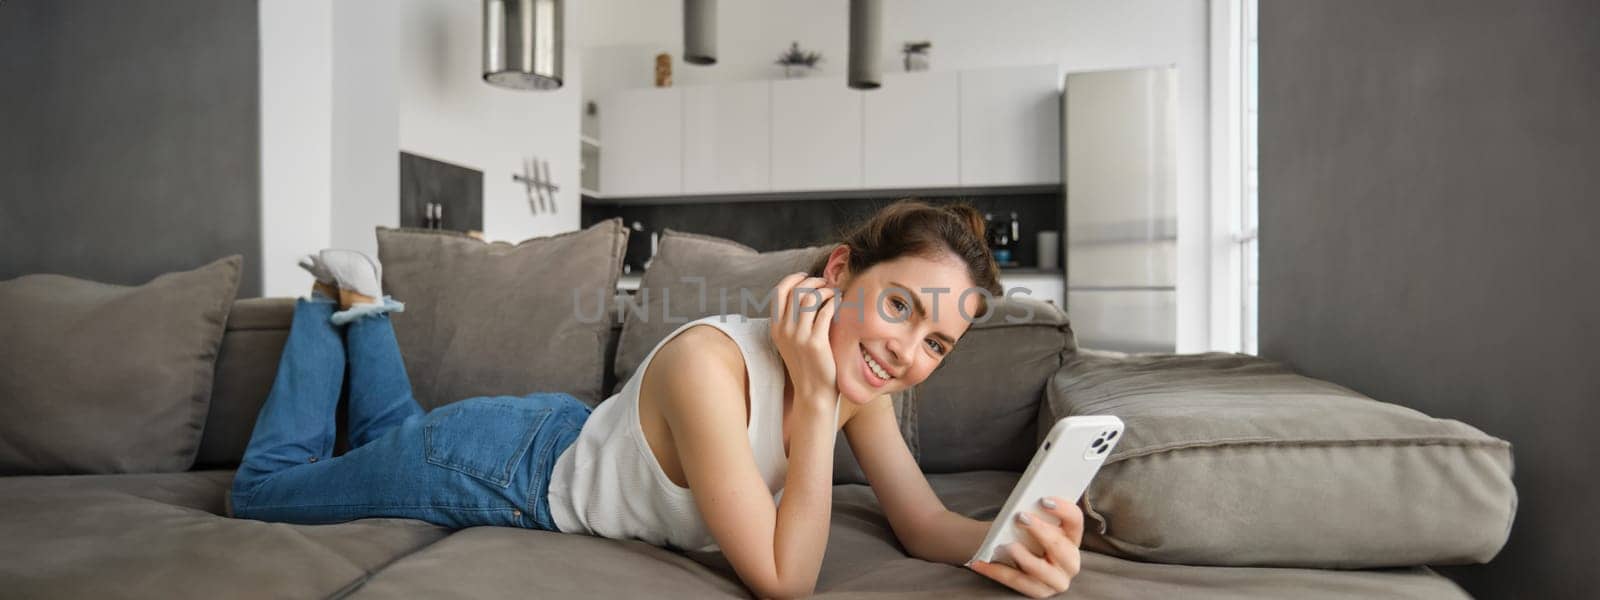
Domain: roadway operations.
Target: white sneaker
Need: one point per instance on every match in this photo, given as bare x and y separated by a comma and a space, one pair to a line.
354, 272
312, 263
314, 266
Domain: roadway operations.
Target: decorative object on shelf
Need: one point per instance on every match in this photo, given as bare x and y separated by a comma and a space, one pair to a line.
663, 70
796, 62
1049, 250
535, 179
700, 32
522, 42
916, 55
1003, 239
866, 29
433, 216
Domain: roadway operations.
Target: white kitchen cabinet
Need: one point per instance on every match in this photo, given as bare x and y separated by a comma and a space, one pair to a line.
816, 135
641, 136
1010, 126
911, 129
727, 141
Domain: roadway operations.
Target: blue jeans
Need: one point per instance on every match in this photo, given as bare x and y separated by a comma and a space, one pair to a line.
481, 461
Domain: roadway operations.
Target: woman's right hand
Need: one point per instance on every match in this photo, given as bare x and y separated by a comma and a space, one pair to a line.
802, 311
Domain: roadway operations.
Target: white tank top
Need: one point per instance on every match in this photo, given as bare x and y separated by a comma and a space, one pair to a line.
608, 482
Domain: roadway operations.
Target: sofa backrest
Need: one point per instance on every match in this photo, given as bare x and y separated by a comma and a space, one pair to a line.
977, 411
256, 331
246, 364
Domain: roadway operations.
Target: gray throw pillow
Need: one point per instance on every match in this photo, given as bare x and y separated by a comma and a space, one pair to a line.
689, 278
101, 378
979, 409
1235, 460
495, 318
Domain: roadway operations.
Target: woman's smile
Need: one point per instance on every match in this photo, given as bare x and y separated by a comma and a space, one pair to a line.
872, 370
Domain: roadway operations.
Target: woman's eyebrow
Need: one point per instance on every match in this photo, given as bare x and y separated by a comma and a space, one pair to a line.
916, 304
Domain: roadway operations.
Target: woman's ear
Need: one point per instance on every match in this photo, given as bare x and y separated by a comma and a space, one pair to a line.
837, 270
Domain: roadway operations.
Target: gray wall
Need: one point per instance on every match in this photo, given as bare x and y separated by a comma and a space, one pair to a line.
129, 142
1430, 235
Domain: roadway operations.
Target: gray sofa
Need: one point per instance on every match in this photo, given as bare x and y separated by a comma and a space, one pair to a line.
163, 535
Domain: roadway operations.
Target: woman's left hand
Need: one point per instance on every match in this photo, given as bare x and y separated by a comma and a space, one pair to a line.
1051, 573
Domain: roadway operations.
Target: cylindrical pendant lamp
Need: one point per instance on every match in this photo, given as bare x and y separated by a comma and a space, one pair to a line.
700, 32
522, 44
866, 32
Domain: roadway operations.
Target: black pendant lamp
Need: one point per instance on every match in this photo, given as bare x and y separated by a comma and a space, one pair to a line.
700, 32
866, 31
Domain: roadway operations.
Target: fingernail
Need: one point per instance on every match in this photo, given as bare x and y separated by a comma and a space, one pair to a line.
1024, 518
1049, 503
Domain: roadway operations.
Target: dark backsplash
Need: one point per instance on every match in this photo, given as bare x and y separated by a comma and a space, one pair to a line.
768, 225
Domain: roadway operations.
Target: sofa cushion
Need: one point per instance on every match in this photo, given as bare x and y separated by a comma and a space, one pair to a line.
978, 409
497, 318
1235, 460
694, 276
158, 536
500, 562
863, 559
101, 378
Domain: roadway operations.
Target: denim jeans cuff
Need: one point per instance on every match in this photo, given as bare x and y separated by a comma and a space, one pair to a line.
387, 305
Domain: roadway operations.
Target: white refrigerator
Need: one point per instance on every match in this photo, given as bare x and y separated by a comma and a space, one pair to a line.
1119, 170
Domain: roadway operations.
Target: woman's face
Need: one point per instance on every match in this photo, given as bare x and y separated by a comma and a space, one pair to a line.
896, 321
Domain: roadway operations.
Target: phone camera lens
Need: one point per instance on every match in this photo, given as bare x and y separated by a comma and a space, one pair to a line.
1097, 443
1112, 435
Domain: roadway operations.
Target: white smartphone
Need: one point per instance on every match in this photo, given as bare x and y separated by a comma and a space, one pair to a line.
1070, 456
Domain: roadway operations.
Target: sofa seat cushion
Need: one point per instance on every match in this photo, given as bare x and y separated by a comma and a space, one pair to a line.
160, 536
501, 562
102, 378
1235, 460
863, 560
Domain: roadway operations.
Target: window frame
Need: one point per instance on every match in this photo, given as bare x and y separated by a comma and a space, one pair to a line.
1234, 228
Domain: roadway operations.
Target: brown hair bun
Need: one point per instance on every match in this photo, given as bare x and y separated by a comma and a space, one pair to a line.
913, 227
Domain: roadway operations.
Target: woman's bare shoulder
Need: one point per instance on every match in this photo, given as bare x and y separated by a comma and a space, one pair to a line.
701, 358
701, 344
